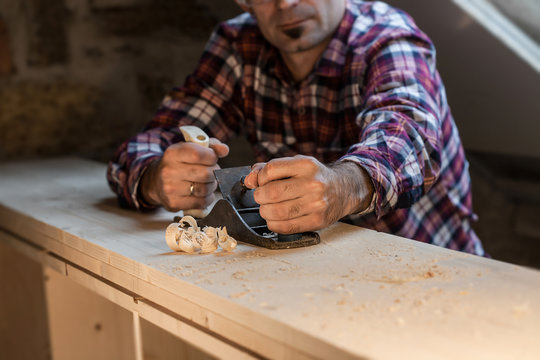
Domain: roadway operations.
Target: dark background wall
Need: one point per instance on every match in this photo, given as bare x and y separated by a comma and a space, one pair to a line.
77, 77
80, 76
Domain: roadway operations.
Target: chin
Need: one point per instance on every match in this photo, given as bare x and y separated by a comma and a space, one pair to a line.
304, 43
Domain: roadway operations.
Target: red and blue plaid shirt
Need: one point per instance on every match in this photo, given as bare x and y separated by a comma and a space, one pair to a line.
374, 98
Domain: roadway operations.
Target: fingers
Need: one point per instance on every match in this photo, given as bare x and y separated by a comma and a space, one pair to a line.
185, 178
305, 223
293, 209
278, 169
173, 187
278, 191
190, 153
289, 189
188, 195
179, 202
219, 148
282, 168
189, 162
251, 181
177, 180
294, 194
300, 215
201, 189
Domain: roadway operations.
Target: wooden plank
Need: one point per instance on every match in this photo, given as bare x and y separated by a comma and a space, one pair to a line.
188, 333
65, 299
24, 331
357, 294
84, 325
160, 344
33, 252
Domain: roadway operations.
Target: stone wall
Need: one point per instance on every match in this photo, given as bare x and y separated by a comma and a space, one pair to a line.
77, 77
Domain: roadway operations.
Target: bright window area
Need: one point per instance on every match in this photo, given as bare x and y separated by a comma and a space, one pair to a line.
514, 22
524, 13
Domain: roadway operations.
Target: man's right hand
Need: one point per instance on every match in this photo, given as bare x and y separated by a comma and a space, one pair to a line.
184, 166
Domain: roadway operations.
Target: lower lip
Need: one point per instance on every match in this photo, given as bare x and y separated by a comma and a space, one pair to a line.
293, 25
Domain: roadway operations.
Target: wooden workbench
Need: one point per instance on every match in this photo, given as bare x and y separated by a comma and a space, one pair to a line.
358, 294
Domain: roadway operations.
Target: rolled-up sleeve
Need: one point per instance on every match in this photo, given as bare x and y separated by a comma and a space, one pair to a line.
400, 142
207, 100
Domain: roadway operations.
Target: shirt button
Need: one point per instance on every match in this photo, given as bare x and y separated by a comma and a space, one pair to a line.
301, 110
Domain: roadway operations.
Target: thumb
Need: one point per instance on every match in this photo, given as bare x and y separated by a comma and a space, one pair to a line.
219, 148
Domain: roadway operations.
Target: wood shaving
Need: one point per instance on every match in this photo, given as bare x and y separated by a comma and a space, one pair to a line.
186, 236
239, 275
240, 294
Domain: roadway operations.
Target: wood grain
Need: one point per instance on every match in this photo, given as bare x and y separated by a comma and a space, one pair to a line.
359, 294
24, 335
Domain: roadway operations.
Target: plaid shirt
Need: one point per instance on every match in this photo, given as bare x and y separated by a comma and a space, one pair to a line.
374, 98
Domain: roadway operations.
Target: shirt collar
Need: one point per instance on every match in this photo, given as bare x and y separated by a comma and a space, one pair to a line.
272, 62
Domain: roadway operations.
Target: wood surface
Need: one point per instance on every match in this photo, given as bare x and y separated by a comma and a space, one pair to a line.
358, 294
24, 335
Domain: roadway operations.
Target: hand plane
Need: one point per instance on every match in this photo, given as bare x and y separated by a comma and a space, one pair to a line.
239, 212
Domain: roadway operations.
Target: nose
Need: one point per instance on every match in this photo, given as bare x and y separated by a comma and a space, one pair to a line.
283, 4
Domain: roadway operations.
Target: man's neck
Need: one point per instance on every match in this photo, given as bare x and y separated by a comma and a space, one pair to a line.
300, 64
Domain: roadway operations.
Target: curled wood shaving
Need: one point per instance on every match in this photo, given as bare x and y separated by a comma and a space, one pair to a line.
227, 242
186, 236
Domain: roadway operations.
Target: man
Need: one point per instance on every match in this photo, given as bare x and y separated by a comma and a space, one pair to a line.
345, 110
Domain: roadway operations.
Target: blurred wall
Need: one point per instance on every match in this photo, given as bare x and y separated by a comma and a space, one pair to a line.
80, 76
493, 94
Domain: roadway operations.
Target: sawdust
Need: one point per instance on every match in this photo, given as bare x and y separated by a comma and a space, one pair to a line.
204, 281
267, 306
342, 301
521, 309
239, 275
239, 294
410, 274
253, 254
186, 273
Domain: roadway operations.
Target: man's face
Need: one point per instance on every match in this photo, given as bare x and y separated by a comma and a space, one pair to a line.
298, 25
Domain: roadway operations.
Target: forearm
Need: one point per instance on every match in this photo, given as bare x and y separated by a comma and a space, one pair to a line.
353, 186
131, 160
148, 193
